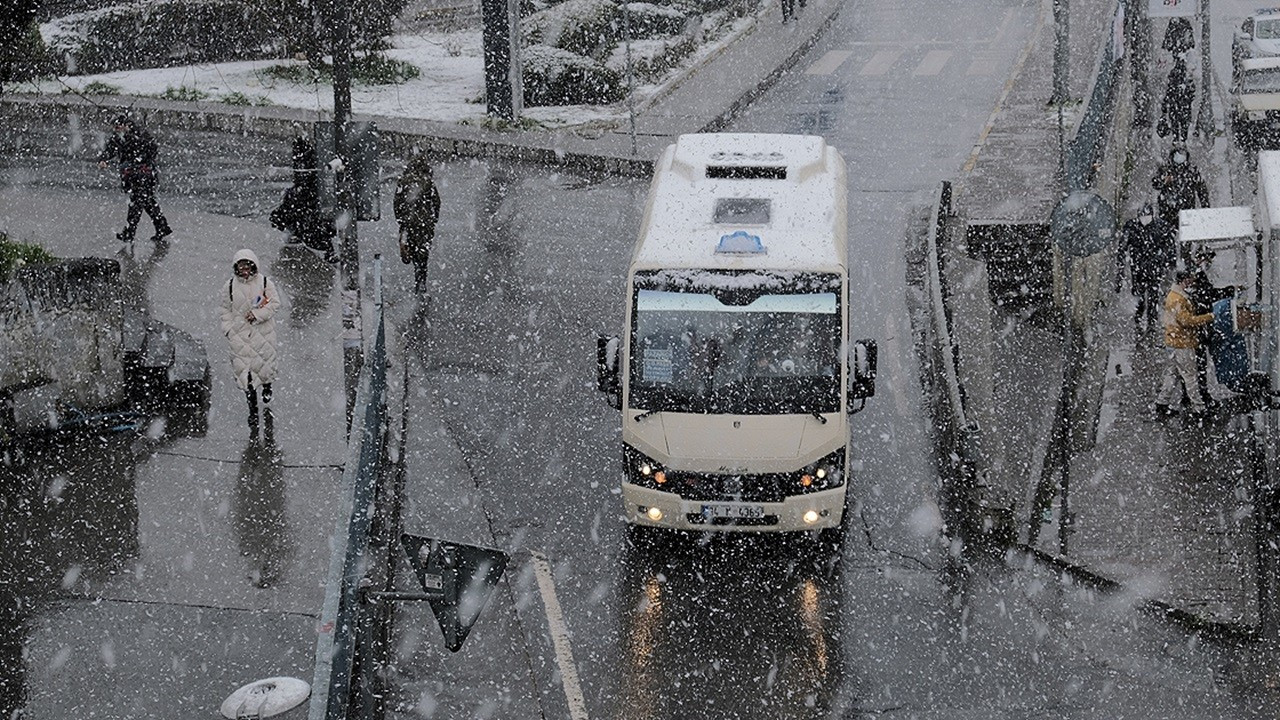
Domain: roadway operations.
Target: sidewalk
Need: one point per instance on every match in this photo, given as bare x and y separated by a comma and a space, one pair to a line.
213, 565
1161, 509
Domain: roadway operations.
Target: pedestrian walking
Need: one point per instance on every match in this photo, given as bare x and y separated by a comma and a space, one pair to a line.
1175, 108
417, 209
788, 10
1179, 186
1147, 250
135, 151
299, 212
1179, 37
250, 302
1182, 339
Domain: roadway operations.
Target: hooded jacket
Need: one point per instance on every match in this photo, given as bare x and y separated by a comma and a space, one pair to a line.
1181, 321
417, 203
253, 344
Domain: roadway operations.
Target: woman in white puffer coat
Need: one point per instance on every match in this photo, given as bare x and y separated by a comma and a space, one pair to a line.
250, 301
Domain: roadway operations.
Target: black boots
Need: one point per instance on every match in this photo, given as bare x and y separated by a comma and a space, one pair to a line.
268, 421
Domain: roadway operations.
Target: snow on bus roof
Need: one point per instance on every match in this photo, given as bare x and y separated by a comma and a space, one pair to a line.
766, 201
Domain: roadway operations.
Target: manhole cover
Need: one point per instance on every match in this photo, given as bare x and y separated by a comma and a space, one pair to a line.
265, 698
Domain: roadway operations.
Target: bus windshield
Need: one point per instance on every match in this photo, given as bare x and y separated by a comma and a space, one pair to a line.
736, 342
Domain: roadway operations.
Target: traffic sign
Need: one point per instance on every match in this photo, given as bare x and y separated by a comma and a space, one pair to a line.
458, 580
1172, 8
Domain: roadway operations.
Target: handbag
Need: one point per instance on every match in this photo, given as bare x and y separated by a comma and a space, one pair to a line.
406, 254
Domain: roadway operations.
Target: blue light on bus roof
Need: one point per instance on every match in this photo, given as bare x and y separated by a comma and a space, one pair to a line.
740, 242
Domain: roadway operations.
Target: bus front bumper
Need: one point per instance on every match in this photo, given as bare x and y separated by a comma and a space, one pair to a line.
812, 511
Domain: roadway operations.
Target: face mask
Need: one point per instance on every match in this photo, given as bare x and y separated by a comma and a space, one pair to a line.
1179, 158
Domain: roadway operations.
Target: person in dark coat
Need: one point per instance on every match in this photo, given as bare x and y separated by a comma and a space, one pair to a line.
417, 208
1146, 246
135, 150
1179, 37
1203, 294
1179, 186
299, 211
1175, 108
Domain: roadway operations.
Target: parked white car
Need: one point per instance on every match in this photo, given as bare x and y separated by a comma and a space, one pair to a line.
1255, 103
1258, 36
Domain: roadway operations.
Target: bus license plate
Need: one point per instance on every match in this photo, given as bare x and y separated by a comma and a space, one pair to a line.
734, 510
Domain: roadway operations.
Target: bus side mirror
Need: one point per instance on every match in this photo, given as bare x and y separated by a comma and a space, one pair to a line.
862, 370
608, 380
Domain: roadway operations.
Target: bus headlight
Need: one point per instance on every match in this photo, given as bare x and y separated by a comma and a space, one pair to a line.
824, 474
642, 471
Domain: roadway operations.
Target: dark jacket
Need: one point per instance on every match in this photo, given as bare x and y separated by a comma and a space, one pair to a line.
1204, 294
299, 214
1149, 251
417, 204
136, 151
1179, 186
1179, 36
1179, 95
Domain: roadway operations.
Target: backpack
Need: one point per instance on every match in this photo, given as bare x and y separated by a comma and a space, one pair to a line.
231, 286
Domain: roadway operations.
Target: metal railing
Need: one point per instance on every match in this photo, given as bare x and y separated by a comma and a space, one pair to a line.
1087, 145
340, 686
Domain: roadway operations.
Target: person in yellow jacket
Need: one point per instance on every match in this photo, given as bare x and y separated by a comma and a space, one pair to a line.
1182, 337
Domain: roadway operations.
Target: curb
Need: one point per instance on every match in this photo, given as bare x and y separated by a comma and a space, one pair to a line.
285, 123
1218, 629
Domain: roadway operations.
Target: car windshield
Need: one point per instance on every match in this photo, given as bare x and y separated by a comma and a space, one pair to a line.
740, 343
1268, 29
1265, 80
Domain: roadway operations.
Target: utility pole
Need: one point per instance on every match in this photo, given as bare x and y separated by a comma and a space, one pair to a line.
345, 210
1139, 36
1061, 84
1204, 120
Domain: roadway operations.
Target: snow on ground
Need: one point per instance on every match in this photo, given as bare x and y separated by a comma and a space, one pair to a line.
450, 88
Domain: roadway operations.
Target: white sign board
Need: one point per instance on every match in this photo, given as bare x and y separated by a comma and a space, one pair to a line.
1172, 8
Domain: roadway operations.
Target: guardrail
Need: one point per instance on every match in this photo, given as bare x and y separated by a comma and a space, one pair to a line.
961, 462
342, 682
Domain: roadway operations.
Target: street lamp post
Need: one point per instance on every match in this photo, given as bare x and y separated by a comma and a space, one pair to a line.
345, 211
1204, 120
1061, 80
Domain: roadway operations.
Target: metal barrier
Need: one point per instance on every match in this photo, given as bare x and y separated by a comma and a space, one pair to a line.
339, 684
958, 434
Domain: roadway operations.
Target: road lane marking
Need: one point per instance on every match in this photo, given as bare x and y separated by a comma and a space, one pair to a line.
933, 62
880, 63
828, 63
560, 638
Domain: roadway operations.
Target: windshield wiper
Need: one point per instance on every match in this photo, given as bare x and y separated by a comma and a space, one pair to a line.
818, 415
644, 415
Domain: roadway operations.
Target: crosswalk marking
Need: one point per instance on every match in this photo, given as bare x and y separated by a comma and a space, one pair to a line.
933, 62
880, 63
828, 63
